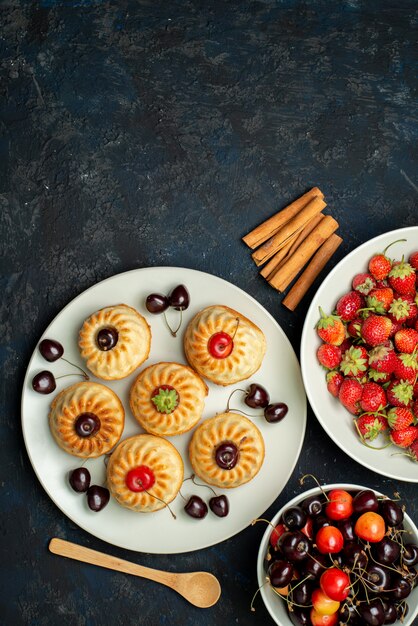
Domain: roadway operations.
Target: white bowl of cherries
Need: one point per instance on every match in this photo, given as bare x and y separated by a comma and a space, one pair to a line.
340, 554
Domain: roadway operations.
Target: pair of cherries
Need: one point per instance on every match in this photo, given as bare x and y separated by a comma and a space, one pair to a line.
45, 382
256, 396
97, 496
196, 507
178, 299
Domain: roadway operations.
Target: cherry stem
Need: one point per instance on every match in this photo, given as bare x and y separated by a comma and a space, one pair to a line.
65, 376
230, 396
174, 332
236, 329
157, 498
261, 519
302, 480
192, 478
86, 376
255, 595
392, 244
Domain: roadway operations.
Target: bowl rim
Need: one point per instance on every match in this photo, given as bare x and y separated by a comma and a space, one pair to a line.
304, 361
295, 501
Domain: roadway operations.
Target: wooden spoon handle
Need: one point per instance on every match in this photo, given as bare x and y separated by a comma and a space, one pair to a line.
86, 555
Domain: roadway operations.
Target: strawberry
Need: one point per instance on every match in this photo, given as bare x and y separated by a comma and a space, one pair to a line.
375, 329
383, 358
379, 377
379, 266
412, 302
406, 367
400, 418
330, 329
395, 327
346, 344
413, 260
402, 278
354, 327
413, 450
348, 305
363, 283
415, 408
334, 380
329, 356
373, 397
399, 310
350, 394
405, 437
399, 393
415, 391
380, 299
354, 362
406, 340
370, 426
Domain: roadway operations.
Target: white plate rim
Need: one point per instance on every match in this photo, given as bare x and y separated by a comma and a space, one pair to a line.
304, 360
295, 501
171, 269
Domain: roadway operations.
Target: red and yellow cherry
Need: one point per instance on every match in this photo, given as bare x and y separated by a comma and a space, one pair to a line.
220, 345
329, 539
335, 584
140, 478
370, 527
323, 604
323, 620
340, 505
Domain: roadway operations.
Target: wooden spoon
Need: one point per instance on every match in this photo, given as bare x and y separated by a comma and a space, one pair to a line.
199, 588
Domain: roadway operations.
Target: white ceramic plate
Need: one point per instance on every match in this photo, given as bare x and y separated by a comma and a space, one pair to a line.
275, 605
335, 419
158, 532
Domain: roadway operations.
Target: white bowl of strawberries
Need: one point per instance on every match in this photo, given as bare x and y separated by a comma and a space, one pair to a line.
340, 554
359, 354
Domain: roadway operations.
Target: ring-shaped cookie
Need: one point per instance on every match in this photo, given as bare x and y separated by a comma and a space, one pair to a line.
167, 398
240, 359
227, 428
114, 341
157, 455
101, 411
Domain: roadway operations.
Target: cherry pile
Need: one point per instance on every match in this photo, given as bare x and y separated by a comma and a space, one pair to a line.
342, 558
196, 507
178, 299
256, 396
370, 350
45, 382
97, 496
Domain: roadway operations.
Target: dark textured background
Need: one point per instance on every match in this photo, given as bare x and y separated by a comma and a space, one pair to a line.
141, 133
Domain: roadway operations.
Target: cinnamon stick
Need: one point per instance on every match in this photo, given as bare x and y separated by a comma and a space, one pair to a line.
273, 245
317, 264
282, 279
270, 227
269, 269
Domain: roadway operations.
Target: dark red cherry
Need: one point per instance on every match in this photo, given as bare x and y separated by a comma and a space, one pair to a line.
219, 505
156, 303
372, 613
51, 350
44, 382
294, 546
314, 565
391, 512
257, 396
87, 424
300, 617
377, 578
312, 505
354, 555
80, 479
386, 551
302, 592
97, 497
196, 507
179, 298
294, 518
320, 521
226, 455
140, 478
107, 338
280, 573
410, 555
347, 529
220, 345
275, 412
391, 614
400, 588
365, 501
